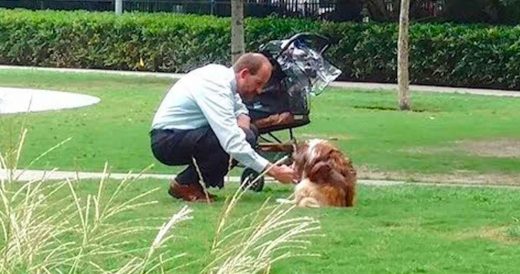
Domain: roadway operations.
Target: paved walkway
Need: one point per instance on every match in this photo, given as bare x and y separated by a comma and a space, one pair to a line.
368, 86
15, 100
37, 175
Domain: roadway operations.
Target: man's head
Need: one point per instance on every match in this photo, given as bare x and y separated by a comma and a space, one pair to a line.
252, 71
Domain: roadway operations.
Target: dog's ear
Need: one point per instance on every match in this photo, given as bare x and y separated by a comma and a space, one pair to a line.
299, 158
319, 171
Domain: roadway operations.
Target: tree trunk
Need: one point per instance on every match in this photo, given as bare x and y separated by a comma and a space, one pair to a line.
403, 78
237, 29
119, 7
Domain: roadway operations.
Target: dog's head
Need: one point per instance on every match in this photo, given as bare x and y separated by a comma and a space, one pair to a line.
318, 159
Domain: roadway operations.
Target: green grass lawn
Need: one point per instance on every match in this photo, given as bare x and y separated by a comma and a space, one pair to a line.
430, 140
406, 229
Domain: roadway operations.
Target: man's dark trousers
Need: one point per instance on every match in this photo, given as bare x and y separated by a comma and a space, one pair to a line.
175, 147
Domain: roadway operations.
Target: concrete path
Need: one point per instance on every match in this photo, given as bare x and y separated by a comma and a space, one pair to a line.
38, 175
368, 86
16, 100
422, 88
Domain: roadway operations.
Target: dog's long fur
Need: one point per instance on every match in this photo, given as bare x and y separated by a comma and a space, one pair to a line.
327, 177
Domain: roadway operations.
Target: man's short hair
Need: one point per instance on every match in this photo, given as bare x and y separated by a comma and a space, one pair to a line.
252, 61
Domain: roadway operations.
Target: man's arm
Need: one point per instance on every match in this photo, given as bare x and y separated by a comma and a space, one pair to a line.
217, 106
241, 112
219, 109
244, 121
282, 173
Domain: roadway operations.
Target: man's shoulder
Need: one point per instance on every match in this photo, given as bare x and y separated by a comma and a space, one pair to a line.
213, 70
216, 74
215, 78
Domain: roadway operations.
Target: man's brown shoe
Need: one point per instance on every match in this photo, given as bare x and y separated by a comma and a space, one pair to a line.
191, 192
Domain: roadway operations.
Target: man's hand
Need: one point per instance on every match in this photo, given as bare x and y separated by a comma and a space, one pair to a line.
284, 174
244, 121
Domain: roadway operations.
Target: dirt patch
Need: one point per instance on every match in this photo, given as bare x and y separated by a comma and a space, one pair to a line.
429, 150
382, 108
458, 177
495, 234
330, 137
501, 148
506, 148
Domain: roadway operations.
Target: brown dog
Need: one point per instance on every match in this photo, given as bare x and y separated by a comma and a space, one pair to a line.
326, 176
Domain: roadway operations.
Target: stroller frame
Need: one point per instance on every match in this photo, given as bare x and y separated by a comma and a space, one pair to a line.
276, 101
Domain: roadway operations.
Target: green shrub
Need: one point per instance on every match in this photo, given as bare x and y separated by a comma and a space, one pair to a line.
102, 40
441, 54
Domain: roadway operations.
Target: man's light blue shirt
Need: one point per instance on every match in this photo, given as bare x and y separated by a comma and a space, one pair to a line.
207, 96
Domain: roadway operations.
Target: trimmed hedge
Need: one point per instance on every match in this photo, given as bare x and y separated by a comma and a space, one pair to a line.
441, 54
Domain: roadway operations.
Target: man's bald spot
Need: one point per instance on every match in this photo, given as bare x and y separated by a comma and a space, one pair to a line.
253, 62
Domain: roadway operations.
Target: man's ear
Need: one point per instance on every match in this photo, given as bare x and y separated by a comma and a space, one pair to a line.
320, 171
244, 73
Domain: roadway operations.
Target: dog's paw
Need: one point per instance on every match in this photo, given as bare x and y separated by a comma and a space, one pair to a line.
284, 201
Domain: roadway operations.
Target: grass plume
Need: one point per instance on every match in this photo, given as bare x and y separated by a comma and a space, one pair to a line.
79, 234
252, 243
85, 232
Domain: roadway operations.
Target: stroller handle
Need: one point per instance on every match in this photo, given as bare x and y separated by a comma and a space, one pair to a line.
306, 36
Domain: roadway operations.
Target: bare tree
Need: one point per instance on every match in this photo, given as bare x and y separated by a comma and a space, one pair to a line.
237, 29
403, 77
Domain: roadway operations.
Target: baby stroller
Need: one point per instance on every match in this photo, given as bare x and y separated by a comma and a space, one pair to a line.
299, 71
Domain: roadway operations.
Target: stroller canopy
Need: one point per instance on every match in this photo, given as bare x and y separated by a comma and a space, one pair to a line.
301, 59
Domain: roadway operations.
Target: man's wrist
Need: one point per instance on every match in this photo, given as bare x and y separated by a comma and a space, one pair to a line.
269, 169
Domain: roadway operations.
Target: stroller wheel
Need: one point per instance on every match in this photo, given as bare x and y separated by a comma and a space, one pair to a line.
249, 178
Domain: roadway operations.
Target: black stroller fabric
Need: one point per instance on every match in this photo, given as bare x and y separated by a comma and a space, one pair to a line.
299, 70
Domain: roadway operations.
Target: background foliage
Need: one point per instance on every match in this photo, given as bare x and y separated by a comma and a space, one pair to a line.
441, 54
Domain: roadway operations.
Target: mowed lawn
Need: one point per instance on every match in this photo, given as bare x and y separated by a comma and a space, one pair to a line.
400, 229
441, 136
405, 229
